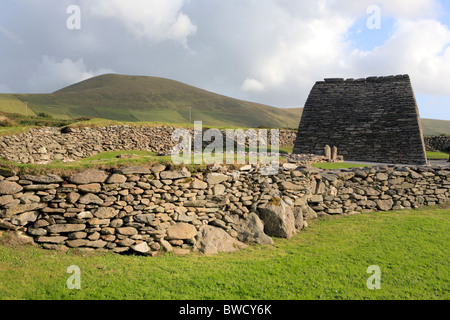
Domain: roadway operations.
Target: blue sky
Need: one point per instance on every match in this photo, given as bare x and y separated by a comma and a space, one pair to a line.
267, 51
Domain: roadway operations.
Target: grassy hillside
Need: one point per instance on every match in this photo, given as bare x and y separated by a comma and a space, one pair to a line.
139, 98
432, 127
11, 104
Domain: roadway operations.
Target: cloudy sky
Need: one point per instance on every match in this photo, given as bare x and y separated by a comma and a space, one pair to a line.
268, 51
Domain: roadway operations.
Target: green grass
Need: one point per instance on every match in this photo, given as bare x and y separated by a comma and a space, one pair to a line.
101, 160
437, 155
338, 165
109, 159
328, 260
9, 103
15, 123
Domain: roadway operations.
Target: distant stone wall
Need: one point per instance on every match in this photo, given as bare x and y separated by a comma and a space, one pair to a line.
437, 143
44, 145
153, 210
374, 119
379, 189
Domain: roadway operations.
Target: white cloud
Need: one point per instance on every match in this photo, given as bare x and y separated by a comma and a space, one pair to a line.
154, 20
252, 85
310, 43
400, 9
411, 8
302, 49
53, 75
420, 48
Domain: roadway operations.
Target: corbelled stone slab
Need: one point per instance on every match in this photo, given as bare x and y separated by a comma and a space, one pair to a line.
6, 172
172, 175
6, 225
61, 228
7, 213
90, 188
141, 247
55, 239
9, 187
37, 187
286, 185
127, 231
106, 213
90, 199
215, 178
181, 231
116, 178
43, 179
145, 218
4, 200
89, 176
133, 170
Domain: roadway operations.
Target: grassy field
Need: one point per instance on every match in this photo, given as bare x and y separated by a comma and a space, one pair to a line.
437, 155
101, 160
328, 260
16, 123
9, 103
338, 165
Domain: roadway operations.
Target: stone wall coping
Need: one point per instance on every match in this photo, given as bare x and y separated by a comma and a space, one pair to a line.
367, 79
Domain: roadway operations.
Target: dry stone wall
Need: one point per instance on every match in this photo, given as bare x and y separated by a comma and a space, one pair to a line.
374, 119
153, 210
379, 189
44, 145
437, 143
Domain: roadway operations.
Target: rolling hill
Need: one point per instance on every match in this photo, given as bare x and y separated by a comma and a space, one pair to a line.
141, 98
433, 127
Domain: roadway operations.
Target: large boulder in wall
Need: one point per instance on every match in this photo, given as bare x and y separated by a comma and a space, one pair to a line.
278, 218
212, 240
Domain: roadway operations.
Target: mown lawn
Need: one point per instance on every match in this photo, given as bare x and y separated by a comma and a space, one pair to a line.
437, 155
328, 260
338, 165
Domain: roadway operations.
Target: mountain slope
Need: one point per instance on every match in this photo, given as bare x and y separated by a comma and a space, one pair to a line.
433, 127
139, 98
